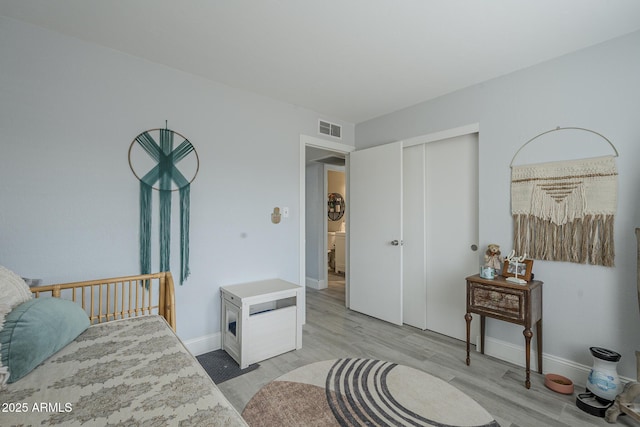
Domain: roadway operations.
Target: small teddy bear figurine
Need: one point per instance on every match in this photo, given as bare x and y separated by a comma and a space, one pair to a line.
492, 257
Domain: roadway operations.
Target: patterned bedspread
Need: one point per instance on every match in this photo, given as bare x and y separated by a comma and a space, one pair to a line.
127, 372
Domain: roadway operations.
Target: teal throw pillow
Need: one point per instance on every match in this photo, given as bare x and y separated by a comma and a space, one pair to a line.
35, 330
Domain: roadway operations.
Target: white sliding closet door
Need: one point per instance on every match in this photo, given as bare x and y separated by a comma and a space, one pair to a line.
413, 222
451, 231
440, 220
414, 293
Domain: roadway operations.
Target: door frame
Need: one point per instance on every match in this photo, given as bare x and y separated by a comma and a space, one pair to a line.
311, 141
445, 134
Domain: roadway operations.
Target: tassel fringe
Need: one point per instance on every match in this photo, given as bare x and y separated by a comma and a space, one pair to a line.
145, 228
185, 196
587, 240
165, 229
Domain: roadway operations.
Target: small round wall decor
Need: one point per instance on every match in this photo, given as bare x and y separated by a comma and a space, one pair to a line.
335, 206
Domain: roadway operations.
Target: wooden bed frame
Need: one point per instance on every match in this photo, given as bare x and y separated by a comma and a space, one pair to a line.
106, 300
149, 391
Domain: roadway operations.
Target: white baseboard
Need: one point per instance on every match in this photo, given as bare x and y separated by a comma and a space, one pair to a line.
515, 354
204, 344
316, 284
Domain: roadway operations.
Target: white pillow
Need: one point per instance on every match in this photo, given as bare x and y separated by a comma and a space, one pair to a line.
4, 370
14, 292
13, 289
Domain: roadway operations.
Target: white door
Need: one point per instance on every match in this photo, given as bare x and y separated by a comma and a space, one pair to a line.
375, 232
414, 278
451, 230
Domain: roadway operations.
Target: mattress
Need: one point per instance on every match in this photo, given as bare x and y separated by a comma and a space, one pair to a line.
126, 372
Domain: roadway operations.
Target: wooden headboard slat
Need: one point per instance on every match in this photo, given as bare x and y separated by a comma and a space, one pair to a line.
112, 305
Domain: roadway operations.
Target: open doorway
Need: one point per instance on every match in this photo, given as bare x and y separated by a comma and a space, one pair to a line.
319, 158
335, 179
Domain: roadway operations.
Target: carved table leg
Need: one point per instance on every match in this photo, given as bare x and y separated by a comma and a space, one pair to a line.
482, 323
527, 339
539, 340
468, 318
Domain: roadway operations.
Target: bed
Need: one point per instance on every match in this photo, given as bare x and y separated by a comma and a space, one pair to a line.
125, 366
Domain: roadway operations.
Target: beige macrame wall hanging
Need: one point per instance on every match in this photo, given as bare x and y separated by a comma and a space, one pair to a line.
564, 211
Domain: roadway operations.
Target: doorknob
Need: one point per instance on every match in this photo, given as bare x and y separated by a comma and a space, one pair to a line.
396, 242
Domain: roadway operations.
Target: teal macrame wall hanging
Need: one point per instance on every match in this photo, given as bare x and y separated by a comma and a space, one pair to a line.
161, 167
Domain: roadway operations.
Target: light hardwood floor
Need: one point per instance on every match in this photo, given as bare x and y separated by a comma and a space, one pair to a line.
332, 332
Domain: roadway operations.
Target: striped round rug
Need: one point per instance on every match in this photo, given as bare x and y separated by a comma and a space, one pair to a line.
354, 392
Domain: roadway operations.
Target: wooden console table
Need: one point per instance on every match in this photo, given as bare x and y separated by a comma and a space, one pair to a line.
511, 302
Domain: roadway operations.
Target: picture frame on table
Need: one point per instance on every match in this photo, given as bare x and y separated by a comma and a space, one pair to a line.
523, 269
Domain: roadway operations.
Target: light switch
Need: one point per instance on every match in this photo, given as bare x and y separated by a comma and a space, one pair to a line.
285, 212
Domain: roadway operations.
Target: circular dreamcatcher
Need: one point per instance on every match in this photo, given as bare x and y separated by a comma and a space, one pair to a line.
165, 161
156, 161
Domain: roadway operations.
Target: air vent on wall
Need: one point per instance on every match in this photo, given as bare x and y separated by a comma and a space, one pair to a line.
330, 129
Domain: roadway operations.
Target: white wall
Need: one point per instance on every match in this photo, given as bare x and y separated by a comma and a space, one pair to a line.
315, 200
597, 88
69, 202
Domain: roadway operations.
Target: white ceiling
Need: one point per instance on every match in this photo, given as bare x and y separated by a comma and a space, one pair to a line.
351, 60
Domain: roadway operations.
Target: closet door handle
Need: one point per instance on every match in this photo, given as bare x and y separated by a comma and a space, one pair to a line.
397, 243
